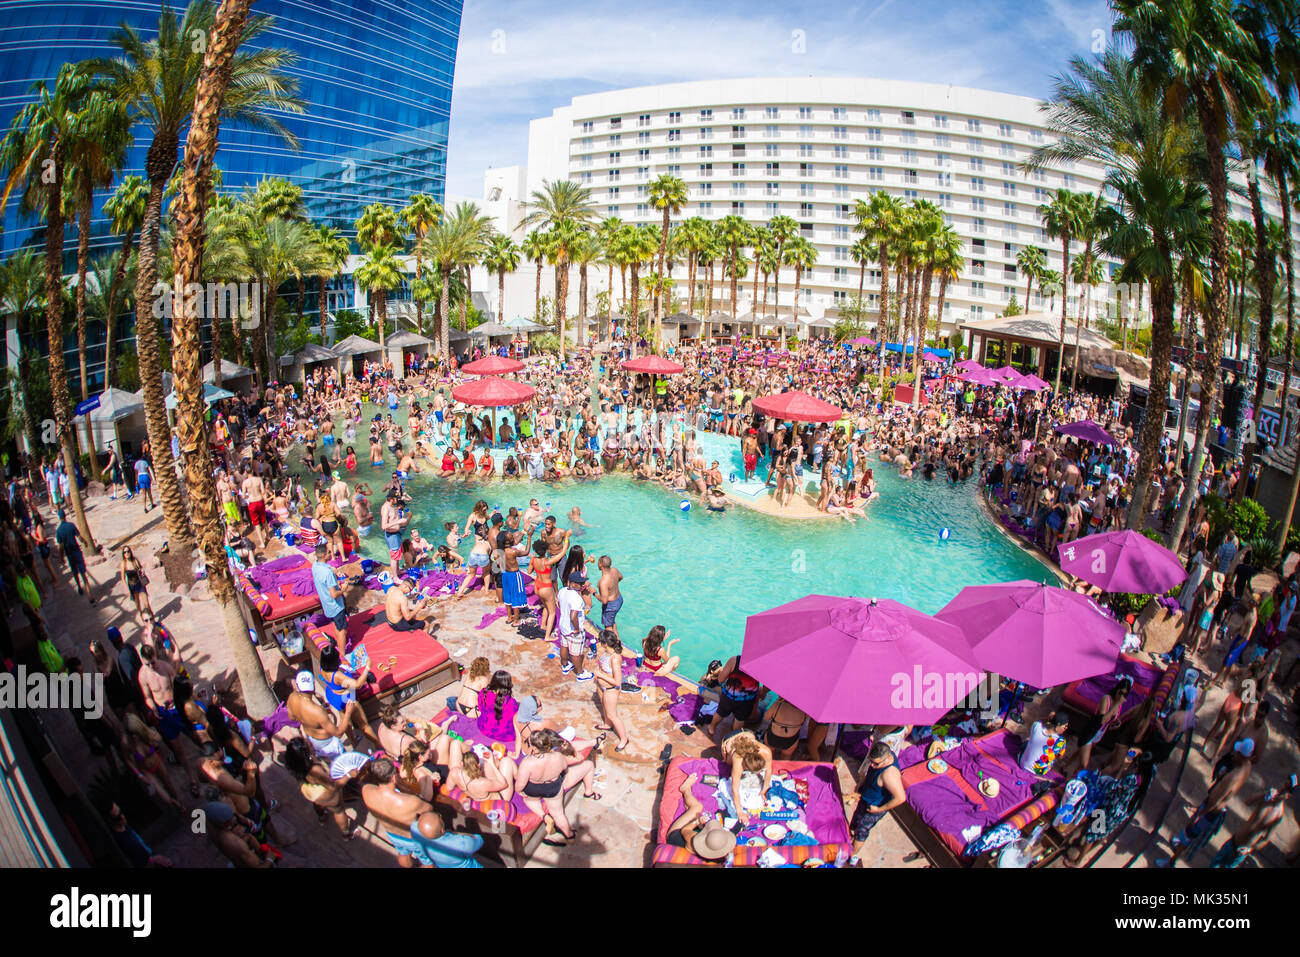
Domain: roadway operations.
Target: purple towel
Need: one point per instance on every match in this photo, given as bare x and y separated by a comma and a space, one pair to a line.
278, 565
489, 618
683, 710
278, 719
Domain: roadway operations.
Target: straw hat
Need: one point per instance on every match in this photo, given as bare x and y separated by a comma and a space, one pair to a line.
1216, 581
989, 787
713, 842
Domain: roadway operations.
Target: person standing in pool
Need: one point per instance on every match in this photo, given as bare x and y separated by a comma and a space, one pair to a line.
607, 590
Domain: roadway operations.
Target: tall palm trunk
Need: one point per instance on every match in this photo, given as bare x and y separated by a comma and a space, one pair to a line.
1153, 420
636, 312
1265, 277
110, 321
938, 302
159, 162
54, 327
381, 312
923, 323
501, 295
1065, 285
609, 301
320, 306
561, 302
537, 294
444, 308
1283, 190
733, 281
1216, 307
691, 268
1188, 314
464, 303
582, 305
187, 359
419, 275
83, 257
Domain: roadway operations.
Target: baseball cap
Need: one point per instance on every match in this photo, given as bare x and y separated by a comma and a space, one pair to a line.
305, 682
218, 812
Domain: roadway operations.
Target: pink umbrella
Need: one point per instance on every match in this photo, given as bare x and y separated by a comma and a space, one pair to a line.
1122, 562
1039, 634
928, 356
492, 365
1087, 430
1005, 376
1032, 383
863, 341
797, 407
968, 365
653, 364
857, 661
979, 376
493, 391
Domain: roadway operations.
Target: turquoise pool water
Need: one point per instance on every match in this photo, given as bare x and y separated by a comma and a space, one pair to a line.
702, 573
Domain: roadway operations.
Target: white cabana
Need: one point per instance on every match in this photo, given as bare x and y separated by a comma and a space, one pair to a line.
119, 417
401, 343
235, 377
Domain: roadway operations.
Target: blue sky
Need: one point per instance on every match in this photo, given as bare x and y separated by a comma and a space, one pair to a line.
519, 59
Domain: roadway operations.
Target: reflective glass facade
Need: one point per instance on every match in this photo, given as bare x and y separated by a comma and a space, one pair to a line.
375, 77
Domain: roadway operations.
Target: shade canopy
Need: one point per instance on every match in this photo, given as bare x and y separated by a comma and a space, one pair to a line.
1006, 375
860, 661
520, 324
229, 370
863, 341
657, 365
1088, 431
493, 391
1035, 633
492, 365
357, 346
1125, 561
116, 405
211, 393
798, 407
491, 330
968, 365
406, 339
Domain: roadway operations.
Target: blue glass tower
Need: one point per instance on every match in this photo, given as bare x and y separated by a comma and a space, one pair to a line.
375, 76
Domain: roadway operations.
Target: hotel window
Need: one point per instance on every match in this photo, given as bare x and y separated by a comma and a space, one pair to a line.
873, 116
1039, 175
976, 312
805, 209
945, 179
771, 113
875, 153
737, 169
738, 209
840, 132
977, 290
615, 122
706, 189
1068, 181
643, 173
771, 209
675, 117
805, 230
773, 189
806, 132
874, 134
613, 192
771, 149
1004, 129
643, 137
588, 126
706, 209
737, 189
908, 117
737, 112
706, 116
841, 297
841, 152
643, 191
841, 274
908, 136
975, 146
674, 135
613, 175
840, 232
842, 253
841, 172
1010, 210
807, 189
1008, 169
1035, 136
839, 113
911, 195
940, 121
642, 209
805, 112
805, 149
909, 156
1041, 195
973, 125
841, 191
1006, 150
614, 157
584, 177
674, 152
805, 169
1010, 230
875, 172
772, 169
772, 132
706, 151
842, 212
674, 170
977, 183
737, 149
706, 169
588, 142
977, 267
643, 154
976, 163
737, 132
942, 140
611, 210
940, 159
643, 119
945, 200
706, 132
615, 139
585, 160
977, 226
910, 176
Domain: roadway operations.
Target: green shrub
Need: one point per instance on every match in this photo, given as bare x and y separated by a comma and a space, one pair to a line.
1263, 551
1249, 519
547, 342
1292, 539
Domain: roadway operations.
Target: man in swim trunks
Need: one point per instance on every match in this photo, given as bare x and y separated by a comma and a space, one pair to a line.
155, 679
611, 599
361, 509
401, 613
749, 448
226, 491
324, 732
396, 810
143, 481
255, 497
392, 522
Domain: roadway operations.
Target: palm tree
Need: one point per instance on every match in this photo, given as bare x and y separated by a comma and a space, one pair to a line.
157, 81
559, 203
583, 250
802, 255
1061, 221
187, 252
22, 294
333, 251
34, 156
782, 229
1086, 272
1030, 260
378, 228
948, 263
667, 193
879, 221
734, 234
1204, 56
380, 272
455, 242
534, 246
125, 212
692, 236
421, 213
474, 230
502, 256
607, 231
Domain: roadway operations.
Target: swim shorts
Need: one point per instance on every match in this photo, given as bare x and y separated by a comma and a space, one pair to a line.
609, 611
257, 513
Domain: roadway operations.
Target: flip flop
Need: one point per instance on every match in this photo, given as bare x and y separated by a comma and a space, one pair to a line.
593, 796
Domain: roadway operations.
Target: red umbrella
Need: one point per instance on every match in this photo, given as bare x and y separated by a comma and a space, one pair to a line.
797, 407
656, 365
493, 391
492, 365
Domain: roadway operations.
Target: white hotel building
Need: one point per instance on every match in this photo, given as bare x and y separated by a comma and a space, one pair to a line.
805, 148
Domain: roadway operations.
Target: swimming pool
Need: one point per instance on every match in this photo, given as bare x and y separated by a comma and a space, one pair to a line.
701, 573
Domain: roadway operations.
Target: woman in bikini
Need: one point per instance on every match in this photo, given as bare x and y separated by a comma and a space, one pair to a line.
474, 680
657, 652
539, 566
133, 577
316, 785
545, 774
609, 684
481, 774
327, 516
1106, 716
785, 721
142, 746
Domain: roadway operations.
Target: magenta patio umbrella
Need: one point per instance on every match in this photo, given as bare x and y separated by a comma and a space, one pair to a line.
1039, 634
980, 376
1089, 431
1005, 376
1122, 562
863, 341
968, 365
1032, 383
860, 661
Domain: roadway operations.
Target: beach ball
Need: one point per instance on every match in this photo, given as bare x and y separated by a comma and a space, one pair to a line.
684, 505
945, 534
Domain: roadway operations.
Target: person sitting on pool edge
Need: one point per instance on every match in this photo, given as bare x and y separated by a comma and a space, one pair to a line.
404, 615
